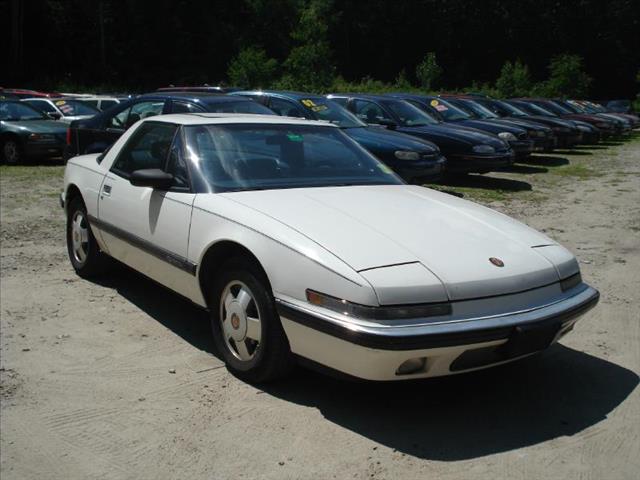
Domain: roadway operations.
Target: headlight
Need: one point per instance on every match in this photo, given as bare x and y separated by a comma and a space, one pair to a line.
484, 149
507, 136
377, 313
41, 137
404, 155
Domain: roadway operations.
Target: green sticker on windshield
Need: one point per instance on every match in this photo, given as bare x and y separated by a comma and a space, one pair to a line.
294, 137
384, 168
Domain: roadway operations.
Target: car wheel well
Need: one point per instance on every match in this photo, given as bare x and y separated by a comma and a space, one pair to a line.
216, 256
73, 192
10, 135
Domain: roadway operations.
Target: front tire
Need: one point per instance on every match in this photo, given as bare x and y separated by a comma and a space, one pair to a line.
11, 151
245, 324
85, 255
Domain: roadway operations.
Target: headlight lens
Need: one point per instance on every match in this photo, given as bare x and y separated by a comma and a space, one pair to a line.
377, 313
405, 155
41, 137
507, 136
484, 149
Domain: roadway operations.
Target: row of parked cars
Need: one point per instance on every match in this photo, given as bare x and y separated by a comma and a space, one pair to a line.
420, 137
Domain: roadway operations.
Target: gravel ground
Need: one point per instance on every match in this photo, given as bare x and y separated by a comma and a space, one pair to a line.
118, 379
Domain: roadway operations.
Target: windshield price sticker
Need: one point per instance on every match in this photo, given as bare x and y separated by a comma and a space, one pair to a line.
435, 103
441, 108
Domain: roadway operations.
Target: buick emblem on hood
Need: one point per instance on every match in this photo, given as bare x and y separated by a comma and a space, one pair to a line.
496, 261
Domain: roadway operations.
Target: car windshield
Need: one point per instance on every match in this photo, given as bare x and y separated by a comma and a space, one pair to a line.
480, 111
409, 115
329, 111
448, 111
555, 107
534, 109
70, 108
238, 106
11, 111
238, 157
509, 109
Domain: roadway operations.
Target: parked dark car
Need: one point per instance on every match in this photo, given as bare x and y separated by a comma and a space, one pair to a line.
445, 110
619, 106
27, 133
567, 132
542, 136
624, 121
593, 127
97, 133
467, 150
413, 159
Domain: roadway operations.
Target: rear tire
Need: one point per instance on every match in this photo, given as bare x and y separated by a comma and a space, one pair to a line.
246, 326
85, 255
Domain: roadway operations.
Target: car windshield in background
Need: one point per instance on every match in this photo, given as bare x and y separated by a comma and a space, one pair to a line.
534, 109
70, 108
329, 111
555, 108
234, 157
508, 109
238, 107
12, 111
448, 111
478, 110
409, 115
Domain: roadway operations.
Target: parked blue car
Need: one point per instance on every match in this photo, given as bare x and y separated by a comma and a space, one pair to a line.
413, 159
444, 110
467, 150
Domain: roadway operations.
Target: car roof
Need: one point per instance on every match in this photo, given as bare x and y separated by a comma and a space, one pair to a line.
232, 118
282, 93
190, 96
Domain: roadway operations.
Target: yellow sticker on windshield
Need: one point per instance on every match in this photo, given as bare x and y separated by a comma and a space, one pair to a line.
60, 102
384, 168
434, 103
308, 103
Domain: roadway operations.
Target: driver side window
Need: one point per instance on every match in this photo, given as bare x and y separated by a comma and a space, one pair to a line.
369, 112
147, 148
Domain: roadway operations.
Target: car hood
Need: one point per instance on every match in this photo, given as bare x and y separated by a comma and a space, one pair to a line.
490, 126
36, 126
381, 138
374, 227
556, 122
456, 133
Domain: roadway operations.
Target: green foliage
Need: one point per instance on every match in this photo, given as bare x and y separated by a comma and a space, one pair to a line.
308, 66
514, 80
252, 68
567, 78
402, 82
428, 71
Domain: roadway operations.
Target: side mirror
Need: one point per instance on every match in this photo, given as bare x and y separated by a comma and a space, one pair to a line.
151, 177
54, 115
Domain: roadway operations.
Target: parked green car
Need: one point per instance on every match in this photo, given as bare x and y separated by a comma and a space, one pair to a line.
28, 133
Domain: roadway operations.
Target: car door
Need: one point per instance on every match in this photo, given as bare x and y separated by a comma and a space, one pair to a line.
146, 228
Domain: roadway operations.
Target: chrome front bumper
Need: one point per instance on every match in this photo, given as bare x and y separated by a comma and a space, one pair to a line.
376, 351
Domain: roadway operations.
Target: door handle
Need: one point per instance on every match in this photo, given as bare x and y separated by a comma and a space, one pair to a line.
106, 190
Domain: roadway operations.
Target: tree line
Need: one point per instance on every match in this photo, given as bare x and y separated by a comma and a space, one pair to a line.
574, 47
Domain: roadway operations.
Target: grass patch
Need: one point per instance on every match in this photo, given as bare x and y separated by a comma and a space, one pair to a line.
578, 171
36, 172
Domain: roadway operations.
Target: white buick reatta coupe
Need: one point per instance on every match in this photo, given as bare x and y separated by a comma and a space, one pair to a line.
303, 246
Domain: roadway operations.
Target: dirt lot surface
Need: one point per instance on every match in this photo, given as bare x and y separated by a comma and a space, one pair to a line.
118, 379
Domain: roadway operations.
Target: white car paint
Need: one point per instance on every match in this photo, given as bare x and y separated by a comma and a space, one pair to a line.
370, 245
